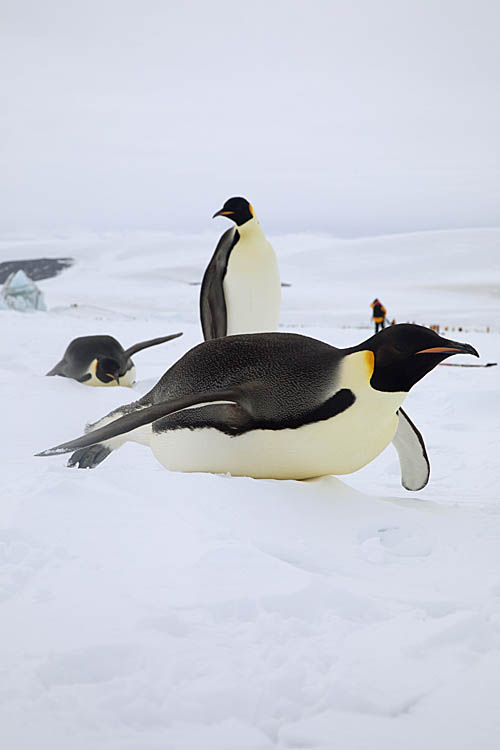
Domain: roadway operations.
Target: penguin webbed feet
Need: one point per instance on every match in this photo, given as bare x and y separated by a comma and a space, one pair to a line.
89, 458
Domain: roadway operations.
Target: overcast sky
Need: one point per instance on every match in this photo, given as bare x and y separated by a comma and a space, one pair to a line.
354, 117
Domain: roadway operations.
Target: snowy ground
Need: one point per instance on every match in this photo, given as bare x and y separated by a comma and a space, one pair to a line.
142, 609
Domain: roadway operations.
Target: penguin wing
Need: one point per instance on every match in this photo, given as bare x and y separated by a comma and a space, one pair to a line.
213, 310
413, 459
150, 414
243, 416
151, 342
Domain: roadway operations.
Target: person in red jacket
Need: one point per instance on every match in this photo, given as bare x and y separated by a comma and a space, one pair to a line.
378, 314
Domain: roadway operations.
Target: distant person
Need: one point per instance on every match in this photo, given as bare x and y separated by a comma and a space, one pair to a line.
378, 314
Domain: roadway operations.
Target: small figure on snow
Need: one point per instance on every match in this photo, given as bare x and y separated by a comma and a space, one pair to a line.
378, 314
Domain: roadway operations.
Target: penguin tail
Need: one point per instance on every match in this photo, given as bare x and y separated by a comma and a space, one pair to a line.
141, 417
151, 342
56, 370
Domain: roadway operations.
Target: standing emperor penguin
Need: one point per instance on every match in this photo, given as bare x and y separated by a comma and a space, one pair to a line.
281, 406
241, 288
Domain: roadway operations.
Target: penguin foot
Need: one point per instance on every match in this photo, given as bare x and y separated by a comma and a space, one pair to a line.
89, 458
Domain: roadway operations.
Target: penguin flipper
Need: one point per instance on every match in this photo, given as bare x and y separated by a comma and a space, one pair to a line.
213, 311
413, 459
144, 416
151, 342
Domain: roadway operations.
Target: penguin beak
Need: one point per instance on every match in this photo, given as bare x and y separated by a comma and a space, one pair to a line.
223, 213
454, 347
114, 377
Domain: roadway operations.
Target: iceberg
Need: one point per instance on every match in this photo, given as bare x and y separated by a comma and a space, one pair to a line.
21, 293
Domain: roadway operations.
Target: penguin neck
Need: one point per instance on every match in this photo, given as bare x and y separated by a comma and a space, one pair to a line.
356, 373
250, 229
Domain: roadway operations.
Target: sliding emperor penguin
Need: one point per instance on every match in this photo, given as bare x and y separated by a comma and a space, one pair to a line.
279, 405
241, 289
102, 360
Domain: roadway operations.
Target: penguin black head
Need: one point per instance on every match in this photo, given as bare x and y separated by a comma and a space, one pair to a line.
238, 210
405, 353
108, 369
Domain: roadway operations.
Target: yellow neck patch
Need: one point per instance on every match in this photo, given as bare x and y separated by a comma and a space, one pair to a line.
370, 362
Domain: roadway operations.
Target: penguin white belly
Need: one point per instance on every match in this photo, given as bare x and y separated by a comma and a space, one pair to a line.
252, 288
339, 445
128, 379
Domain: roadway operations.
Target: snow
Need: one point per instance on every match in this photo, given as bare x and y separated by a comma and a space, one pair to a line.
147, 609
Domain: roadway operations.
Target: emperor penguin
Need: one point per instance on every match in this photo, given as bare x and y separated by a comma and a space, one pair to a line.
280, 405
101, 360
241, 289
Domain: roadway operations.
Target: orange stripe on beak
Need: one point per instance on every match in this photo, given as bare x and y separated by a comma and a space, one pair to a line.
439, 350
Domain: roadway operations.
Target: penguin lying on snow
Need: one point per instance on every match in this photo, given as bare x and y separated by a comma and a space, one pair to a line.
241, 289
101, 360
279, 405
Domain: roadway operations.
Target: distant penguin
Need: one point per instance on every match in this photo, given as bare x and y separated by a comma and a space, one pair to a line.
241, 289
280, 405
101, 360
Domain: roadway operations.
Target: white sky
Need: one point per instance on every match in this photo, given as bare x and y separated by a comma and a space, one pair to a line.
355, 117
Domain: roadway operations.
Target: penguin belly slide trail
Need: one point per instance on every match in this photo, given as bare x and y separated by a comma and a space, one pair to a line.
279, 405
102, 360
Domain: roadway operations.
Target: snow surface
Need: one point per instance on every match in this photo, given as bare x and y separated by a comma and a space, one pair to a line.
142, 609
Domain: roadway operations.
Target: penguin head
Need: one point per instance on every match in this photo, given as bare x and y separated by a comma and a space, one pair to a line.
405, 353
238, 210
108, 369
